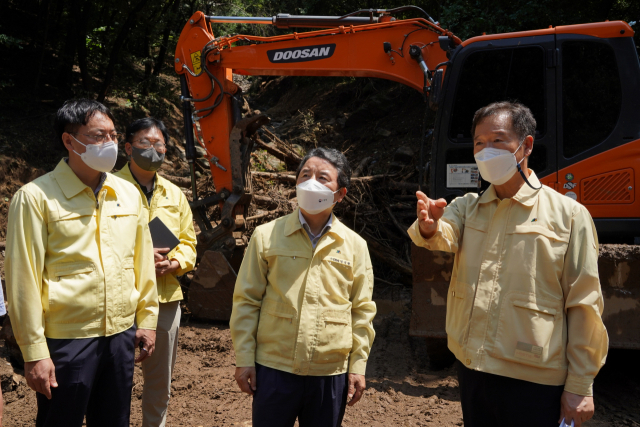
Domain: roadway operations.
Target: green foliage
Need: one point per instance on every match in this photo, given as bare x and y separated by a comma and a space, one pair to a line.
70, 49
10, 42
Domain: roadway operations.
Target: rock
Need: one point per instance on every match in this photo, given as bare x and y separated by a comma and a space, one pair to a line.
383, 132
298, 149
396, 167
201, 151
403, 154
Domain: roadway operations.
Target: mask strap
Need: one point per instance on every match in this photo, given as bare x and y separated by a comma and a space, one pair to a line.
78, 143
525, 178
520, 169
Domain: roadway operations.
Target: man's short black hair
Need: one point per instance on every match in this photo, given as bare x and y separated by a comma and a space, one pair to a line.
144, 124
75, 113
522, 121
336, 158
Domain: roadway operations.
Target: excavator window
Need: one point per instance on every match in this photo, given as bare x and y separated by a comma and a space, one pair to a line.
591, 94
498, 75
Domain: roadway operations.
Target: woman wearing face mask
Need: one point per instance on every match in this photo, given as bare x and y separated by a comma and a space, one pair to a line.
302, 309
146, 146
524, 304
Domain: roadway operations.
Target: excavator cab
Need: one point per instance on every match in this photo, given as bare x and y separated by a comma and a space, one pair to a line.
582, 83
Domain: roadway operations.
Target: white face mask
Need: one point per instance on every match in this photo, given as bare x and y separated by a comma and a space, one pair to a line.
314, 197
99, 157
497, 166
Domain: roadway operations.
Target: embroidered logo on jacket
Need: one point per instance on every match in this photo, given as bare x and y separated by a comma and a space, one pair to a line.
339, 261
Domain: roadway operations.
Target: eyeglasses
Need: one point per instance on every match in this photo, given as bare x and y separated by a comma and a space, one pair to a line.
100, 139
145, 143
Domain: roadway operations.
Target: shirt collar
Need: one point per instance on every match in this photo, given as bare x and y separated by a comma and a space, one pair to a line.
294, 224
70, 183
305, 225
103, 178
526, 195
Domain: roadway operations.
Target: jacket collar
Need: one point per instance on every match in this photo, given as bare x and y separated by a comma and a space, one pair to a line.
70, 183
526, 195
125, 173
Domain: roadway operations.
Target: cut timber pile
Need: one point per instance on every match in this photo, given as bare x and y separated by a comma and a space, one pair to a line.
378, 207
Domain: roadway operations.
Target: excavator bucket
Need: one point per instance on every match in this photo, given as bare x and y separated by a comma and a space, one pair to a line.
618, 267
211, 289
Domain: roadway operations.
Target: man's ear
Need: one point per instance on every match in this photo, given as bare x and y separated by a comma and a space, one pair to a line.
66, 140
128, 149
528, 145
341, 194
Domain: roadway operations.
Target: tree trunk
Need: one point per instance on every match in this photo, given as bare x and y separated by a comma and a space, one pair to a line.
81, 40
45, 15
67, 58
117, 46
165, 39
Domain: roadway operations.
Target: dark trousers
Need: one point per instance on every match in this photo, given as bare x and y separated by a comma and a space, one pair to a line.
493, 400
94, 377
281, 397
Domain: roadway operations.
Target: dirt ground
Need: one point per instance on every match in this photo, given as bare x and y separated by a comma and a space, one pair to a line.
401, 390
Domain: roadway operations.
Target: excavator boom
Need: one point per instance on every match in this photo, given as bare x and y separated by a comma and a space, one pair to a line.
411, 51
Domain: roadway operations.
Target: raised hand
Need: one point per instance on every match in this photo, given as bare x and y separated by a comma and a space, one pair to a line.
429, 211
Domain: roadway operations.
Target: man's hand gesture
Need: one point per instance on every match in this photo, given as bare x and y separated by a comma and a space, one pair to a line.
41, 376
429, 212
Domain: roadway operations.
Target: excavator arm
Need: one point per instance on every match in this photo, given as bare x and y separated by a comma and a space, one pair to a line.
409, 51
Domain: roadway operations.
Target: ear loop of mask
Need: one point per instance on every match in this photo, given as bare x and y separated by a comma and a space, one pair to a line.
78, 143
520, 169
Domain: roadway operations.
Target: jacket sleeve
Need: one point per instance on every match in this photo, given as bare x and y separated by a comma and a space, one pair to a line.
24, 266
185, 252
247, 300
587, 340
449, 230
363, 310
144, 267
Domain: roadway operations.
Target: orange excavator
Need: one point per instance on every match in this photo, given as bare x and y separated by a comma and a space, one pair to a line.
582, 83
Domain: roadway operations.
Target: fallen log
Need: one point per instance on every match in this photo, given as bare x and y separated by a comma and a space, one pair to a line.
362, 166
265, 214
266, 201
262, 215
277, 176
363, 179
288, 158
183, 182
283, 146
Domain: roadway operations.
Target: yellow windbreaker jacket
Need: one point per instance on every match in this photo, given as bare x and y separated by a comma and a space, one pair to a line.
77, 267
524, 300
171, 206
303, 311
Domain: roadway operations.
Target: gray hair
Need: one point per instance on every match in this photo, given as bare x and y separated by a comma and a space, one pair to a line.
522, 121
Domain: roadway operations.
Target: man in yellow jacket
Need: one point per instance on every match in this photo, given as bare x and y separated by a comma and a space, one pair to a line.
524, 304
79, 270
302, 310
146, 145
